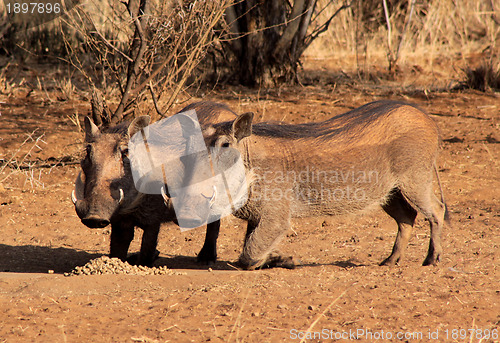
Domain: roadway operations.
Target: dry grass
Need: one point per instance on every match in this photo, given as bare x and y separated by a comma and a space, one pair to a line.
6, 86
18, 162
440, 30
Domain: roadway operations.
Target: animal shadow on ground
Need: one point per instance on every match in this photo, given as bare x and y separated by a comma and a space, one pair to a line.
189, 262
39, 259
350, 263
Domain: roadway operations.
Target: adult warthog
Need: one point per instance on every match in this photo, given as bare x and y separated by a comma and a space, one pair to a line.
382, 153
105, 192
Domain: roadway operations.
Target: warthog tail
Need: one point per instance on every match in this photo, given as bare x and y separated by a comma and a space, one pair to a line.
446, 212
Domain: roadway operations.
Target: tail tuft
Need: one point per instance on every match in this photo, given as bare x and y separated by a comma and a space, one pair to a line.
447, 218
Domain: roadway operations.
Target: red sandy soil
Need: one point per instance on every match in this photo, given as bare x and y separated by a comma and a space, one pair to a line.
339, 287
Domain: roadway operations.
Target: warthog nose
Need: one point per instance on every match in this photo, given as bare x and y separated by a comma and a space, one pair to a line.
95, 222
189, 222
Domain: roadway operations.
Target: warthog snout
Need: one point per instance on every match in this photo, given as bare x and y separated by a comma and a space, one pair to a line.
193, 212
95, 222
96, 216
190, 222
89, 218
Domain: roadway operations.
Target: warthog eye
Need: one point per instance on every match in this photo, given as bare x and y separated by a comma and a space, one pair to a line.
88, 151
124, 152
222, 142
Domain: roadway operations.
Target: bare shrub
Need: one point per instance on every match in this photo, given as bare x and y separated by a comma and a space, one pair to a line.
143, 48
483, 78
267, 38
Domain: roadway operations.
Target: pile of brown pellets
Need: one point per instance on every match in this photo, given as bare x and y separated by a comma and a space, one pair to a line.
105, 265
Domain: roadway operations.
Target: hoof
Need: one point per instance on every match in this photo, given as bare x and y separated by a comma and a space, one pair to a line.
274, 261
280, 262
206, 257
390, 261
135, 259
431, 261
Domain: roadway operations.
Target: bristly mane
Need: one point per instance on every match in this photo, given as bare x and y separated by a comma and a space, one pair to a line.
350, 122
207, 110
120, 128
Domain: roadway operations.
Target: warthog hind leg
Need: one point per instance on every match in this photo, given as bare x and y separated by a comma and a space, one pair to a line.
434, 211
404, 215
435, 215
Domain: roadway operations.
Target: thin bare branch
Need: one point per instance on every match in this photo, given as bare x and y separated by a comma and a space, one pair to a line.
405, 29
155, 101
389, 34
133, 66
322, 28
111, 46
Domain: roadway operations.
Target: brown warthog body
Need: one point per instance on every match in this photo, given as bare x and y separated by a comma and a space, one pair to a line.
381, 154
105, 192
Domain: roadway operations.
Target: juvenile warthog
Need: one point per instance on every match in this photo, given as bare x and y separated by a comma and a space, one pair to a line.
382, 153
105, 192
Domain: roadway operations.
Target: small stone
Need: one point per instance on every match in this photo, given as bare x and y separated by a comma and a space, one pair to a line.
311, 308
50, 271
493, 138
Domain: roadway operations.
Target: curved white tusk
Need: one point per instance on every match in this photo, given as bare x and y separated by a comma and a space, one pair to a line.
121, 196
73, 197
164, 195
212, 200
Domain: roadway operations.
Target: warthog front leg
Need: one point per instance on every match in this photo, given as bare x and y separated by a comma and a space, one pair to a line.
122, 233
148, 252
262, 238
208, 254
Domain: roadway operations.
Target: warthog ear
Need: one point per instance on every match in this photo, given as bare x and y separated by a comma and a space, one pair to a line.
91, 129
188, 125
137, 124
242, 126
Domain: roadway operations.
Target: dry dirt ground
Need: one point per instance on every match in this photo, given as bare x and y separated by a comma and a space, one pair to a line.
339, 291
